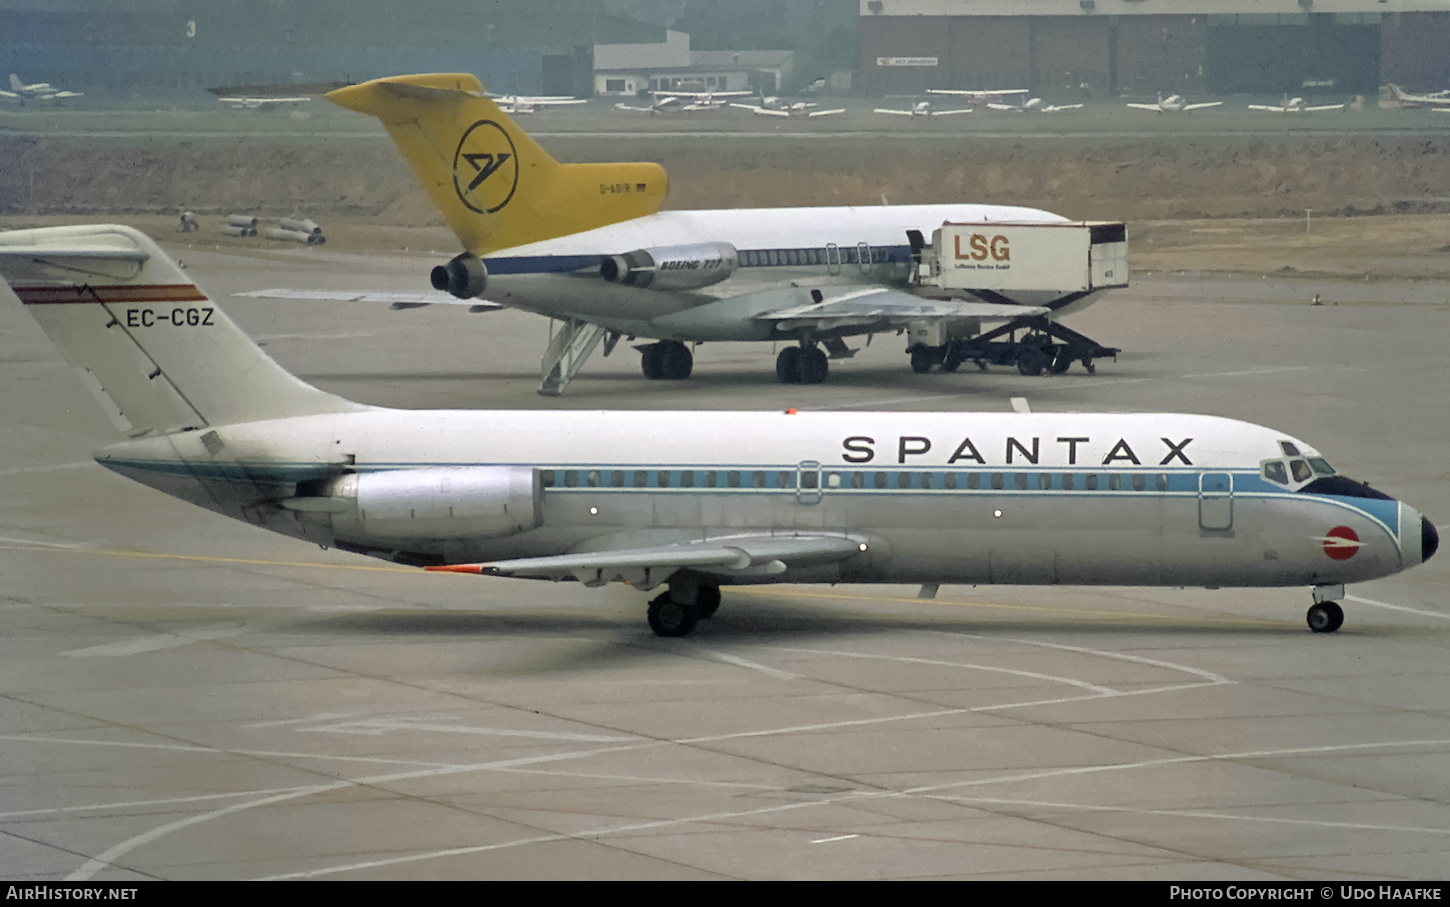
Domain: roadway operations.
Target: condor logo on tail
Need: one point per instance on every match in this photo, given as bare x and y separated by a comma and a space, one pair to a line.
485, 167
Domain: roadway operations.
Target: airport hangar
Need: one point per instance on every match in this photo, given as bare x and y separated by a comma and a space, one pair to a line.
1300, 47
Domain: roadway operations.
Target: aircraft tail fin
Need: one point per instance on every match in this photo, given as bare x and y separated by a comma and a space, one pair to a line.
156, 352
494, 185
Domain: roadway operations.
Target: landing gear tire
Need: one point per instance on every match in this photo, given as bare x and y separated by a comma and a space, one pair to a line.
670, 618
951, 360
812, 366
1062, 361
787, 365
1032, 360
1325, 617
649, 362
924, 357
668, 360
707, 601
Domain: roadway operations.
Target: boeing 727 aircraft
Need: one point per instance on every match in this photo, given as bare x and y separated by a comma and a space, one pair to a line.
586, 244
732, 498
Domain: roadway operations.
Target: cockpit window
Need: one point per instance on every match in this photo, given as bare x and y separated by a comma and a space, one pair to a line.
1289, 448
1274, 471
1300, 470
1321, 466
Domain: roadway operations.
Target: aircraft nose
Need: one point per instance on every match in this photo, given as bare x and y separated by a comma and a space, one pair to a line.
1429, 539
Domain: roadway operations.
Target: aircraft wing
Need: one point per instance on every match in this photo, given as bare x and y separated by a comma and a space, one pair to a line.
825, 113
1324, 107
1056, 107
758, 553
1156, 108
398, 300
996, 106
763, 111
900, 113
1202, 106
880, 305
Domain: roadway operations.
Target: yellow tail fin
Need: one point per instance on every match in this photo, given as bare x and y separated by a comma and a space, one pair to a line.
495, 186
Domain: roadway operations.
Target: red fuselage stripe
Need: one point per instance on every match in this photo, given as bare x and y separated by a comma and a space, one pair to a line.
109, 294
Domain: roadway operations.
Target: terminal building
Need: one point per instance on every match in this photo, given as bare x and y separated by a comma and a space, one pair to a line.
1196, 47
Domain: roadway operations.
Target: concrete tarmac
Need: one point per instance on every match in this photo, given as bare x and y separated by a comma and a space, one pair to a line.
186, 697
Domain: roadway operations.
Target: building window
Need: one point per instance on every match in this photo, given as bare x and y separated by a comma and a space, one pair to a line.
614, 85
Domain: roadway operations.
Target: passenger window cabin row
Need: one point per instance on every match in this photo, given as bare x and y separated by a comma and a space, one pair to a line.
810, 479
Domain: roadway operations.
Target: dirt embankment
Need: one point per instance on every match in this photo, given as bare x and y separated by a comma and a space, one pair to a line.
357, 178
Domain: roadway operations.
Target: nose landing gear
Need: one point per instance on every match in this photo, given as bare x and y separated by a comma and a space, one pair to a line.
1326, 616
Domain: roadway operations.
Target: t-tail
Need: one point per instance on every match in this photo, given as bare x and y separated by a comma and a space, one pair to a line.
494, 185
155, 351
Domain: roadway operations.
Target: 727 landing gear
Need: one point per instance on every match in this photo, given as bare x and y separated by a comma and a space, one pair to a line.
802, 365
1325, 617
668, 360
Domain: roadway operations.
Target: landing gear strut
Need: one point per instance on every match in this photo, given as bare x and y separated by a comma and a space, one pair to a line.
667, 360
1325, 616
805, 364
688, 600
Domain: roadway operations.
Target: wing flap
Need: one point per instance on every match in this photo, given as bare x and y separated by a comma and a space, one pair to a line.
881, 304
647, 567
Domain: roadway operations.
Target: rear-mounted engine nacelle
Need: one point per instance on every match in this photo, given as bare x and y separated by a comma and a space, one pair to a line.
465, 277
672, 267
434, 502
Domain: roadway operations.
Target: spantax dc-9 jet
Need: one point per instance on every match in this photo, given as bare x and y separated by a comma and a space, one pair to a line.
734, 498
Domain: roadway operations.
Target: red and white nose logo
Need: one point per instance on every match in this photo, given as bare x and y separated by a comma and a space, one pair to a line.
1341, 543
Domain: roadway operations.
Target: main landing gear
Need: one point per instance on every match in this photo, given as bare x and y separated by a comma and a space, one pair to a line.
1046, 347
667, 360
802, 365
688, 600
1324, 615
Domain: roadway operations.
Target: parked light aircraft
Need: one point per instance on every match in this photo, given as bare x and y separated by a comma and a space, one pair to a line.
685, 101
42, 91
522, 105
720, 498
781, 109
262, 103
1438, 100
922, 109
982, 97
1036, 104
586, 244
1175, 104
1295, 105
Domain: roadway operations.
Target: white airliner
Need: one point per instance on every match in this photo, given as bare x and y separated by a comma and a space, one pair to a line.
921, 109
693, 500
523, 105
42, 91
1295, 105
1175, 104
1436, 100
586, 244
685, 101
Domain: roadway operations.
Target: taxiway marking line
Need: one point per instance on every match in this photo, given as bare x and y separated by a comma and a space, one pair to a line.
22, 470
742, 663
836, 838
788, 592
1370, 601
656, 824
905, 659
1197, 814
156, 642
